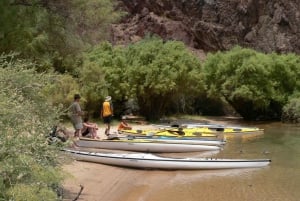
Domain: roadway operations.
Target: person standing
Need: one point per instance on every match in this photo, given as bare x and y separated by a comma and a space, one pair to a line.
107, 113
75, 115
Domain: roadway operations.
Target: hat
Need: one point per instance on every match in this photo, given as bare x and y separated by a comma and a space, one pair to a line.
123, 117
108, 98
77, 96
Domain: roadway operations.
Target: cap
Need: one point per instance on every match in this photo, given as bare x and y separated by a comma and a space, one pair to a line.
108, 98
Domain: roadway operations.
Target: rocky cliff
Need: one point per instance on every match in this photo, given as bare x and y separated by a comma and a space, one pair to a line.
211, 25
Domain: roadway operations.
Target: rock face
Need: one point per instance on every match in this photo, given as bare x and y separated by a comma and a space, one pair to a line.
211, 25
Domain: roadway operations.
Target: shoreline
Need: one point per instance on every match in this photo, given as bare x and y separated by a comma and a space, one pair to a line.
110, 183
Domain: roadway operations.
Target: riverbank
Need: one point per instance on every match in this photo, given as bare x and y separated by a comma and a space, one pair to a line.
109, 183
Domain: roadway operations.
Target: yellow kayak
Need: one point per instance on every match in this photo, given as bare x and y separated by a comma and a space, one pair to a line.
172, 132
196, 131
223, 130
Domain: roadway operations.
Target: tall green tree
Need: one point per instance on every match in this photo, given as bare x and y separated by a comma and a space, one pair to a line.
256, 85
54, 32
95, 84
155, 73
162, 74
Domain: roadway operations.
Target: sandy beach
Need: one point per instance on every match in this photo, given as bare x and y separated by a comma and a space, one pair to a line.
109, 183
278, 181
102, 182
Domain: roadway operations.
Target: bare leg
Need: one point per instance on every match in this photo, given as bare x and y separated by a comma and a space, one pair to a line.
77, 133
94, 133
107, 129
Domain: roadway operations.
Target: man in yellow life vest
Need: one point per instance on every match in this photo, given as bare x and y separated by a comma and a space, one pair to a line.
107, 113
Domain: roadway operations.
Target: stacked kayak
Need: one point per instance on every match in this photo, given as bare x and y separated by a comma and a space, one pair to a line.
180, 140
144, 145
150, 161
171, 132
221, 129
212, 128
196, 130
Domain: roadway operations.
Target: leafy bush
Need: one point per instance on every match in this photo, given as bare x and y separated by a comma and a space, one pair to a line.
54, 33
257, 85
61, 89
291, 111
29, 167
155, 73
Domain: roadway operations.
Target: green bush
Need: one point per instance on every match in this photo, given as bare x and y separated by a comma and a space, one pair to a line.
256, 85
154, 73
29, 167
291, 111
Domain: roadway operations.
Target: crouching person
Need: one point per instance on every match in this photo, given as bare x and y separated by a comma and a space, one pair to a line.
89, 129
123, 125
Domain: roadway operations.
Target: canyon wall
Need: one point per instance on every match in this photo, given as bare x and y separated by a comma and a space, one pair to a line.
212, 25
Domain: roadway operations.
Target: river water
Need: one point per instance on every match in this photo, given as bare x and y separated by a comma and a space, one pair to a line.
280, 181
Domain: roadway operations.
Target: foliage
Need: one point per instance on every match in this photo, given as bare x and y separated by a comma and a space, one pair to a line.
53, 33
94, 88
291, 111
155, 73
29, 166
61, 89
162, 74
255, 84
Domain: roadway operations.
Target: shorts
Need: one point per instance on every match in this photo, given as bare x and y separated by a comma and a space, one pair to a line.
85, 133
107, 119
78, 125
77, 122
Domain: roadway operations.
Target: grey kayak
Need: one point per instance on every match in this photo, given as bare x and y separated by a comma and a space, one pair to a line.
144, 146
151, 161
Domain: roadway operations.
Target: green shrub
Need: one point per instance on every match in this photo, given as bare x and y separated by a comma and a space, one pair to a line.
29, 167
154, 73
256, 85
291, 111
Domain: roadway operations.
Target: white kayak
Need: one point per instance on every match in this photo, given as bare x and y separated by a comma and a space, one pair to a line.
178, 140
144, 146
150, 161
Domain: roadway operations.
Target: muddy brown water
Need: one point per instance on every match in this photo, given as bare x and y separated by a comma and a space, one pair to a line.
278, 182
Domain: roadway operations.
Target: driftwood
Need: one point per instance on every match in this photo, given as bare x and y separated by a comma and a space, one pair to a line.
79, 193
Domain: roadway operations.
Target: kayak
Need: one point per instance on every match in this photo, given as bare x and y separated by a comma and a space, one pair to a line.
140, 145
200, 130
151, 161
171, 132
225, 132
178, 140
213, 128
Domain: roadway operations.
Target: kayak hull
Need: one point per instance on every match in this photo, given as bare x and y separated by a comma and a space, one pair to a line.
150, 161
194, 131
144, 146
199, 141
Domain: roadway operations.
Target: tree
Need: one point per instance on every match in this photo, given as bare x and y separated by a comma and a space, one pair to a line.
95, 84
53, 33
257, 85
162, 74
155, 73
